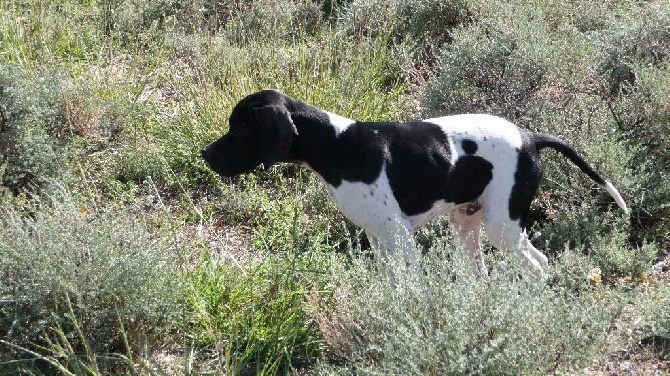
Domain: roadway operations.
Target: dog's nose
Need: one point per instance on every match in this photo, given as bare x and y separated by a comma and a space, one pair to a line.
204, 152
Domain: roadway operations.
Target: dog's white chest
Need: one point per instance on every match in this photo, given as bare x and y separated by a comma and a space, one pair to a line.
370, 206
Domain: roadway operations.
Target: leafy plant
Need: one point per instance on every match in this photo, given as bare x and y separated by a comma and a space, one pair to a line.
32, 151
250, 317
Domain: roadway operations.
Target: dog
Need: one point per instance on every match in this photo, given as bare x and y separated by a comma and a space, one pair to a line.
392, 178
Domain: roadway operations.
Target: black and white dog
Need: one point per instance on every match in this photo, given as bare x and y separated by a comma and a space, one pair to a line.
392, 178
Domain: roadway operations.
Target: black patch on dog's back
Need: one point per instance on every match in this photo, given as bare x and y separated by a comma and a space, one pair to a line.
469, 146
417, 158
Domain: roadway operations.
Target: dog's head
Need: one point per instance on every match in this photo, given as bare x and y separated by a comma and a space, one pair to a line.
261, 131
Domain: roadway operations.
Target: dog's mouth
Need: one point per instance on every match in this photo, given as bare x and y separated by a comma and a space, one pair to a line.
214, 162
229, 165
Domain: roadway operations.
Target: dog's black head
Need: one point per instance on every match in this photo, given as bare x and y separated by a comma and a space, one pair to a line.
261, 131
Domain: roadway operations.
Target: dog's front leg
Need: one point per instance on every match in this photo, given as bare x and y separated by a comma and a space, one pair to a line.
395, 241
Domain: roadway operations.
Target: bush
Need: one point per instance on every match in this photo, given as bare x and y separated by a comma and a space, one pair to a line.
145, 22
32, 118
97, 277
656, 322
496, 67
264, 19
440, 319
424, 26
634, 84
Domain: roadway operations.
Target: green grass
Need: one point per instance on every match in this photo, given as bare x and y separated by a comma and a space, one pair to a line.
122, 253
253, 315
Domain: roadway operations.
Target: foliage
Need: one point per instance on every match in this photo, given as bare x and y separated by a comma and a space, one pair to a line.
32, 128
426, 25
251, 315
657, 318
82, 274
441, 319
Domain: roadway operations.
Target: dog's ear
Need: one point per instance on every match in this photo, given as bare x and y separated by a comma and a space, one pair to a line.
278, 133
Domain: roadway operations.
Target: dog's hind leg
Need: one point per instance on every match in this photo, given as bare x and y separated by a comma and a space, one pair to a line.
387, 248
508, 236
467, 220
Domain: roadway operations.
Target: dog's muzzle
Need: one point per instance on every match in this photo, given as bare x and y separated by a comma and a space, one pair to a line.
205, 153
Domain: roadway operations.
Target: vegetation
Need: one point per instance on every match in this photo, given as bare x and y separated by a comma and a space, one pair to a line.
122, 253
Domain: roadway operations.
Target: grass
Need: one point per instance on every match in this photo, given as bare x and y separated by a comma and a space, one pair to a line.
126, 255
253, 314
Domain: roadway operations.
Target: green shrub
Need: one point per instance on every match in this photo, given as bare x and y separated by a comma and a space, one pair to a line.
634, 83
603, 238
440, 319
145, 23
140, 163
96, 276
265, 19
655, 324
32, 131
425, 24
500, 62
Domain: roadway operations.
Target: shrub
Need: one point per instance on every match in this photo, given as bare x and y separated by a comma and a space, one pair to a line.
655, 324
96, 276
440, 319
499, 63
263, 19
634, 82
144, 23
425, 25
32, 151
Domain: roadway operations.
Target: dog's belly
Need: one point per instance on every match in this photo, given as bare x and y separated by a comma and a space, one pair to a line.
374, 208
438, 209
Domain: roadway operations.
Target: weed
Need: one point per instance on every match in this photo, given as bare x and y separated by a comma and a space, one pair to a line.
250, 318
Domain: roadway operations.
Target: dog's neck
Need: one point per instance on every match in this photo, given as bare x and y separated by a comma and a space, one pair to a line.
314, 124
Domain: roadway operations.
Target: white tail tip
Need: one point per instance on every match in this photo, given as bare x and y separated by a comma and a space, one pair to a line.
615, 194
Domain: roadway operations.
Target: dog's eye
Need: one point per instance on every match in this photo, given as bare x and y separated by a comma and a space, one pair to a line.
237, 135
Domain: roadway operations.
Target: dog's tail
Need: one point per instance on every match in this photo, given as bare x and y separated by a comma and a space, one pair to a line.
548, 141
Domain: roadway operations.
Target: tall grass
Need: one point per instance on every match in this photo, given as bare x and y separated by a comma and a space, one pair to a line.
250, 318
